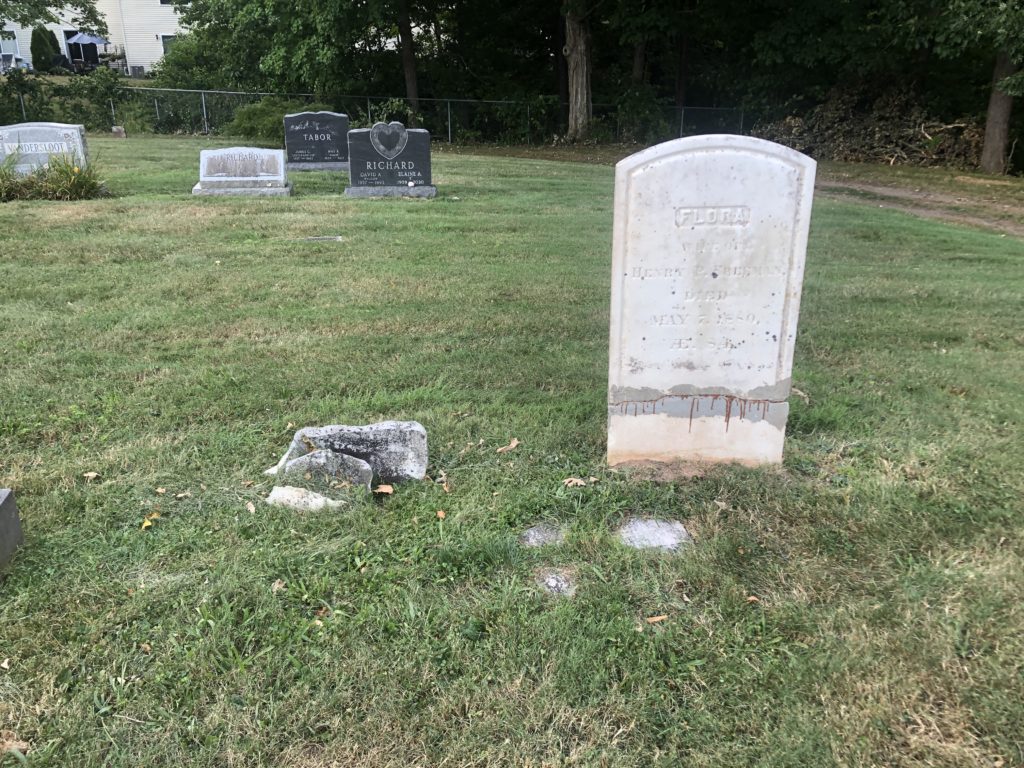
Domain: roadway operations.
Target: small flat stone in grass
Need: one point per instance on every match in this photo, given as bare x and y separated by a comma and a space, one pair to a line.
645, 533
300, 499
556, 581
541, 535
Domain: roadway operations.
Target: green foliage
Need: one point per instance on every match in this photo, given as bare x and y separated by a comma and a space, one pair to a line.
641, 115
80, 13
194, 63
87, 99
17, 85
265, 118
42, 49
62, 179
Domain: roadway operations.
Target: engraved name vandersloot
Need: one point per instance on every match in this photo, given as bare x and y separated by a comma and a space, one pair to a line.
713, 216
37, 147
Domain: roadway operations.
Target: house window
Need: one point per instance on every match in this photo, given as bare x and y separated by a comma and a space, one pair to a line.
168, 42
166, 2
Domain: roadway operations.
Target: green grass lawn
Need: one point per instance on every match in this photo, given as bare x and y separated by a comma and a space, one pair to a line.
172, 345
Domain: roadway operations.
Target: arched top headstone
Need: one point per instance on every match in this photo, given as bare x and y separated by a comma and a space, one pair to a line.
709, 242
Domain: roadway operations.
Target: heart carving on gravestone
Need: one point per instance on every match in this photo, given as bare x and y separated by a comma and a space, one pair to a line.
389, 139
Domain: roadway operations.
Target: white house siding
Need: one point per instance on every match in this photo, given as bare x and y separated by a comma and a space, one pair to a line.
136, 26
144, 24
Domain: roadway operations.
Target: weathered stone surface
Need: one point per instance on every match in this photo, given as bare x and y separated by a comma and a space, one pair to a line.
542, 535
250, 171
300, 499
556, 581
10, 526
118, 132
35, 144
396, 450
709, 241
646, 533
327, 465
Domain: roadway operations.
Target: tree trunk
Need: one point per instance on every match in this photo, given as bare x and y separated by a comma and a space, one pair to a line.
577, 55
562, 74
997, 120
639, 61
408, 57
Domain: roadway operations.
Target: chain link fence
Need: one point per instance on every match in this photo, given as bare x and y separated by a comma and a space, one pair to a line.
463, 121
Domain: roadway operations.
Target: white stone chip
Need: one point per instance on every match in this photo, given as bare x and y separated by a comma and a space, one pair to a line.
645, 533
300, 499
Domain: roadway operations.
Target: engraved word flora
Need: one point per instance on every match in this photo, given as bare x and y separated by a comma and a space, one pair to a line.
708, 257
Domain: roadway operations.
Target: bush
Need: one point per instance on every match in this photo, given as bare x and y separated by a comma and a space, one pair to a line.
86, 100
62, 179
265, 118
42, 48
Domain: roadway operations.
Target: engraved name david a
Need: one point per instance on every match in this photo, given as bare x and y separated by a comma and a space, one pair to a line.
713, 216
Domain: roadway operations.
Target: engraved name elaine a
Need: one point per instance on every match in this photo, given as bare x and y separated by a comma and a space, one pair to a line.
713, 216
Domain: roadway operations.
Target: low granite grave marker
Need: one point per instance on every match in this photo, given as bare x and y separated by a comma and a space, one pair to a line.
710, 235
242, 171
34, 144
316, 141
389, 160
10, 526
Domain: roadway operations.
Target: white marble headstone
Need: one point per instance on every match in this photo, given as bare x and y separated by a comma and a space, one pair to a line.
710, 237
242, 171
33, 144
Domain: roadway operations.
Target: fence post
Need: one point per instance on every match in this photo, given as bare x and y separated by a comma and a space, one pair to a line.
21, 98
369, 113
113, 114
741, 119
449, 121
682, 120
156, 106
206, 124
527, 125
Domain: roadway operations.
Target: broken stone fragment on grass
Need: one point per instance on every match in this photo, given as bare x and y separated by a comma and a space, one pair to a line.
541, 535
395, 450
330, 466
556, 581
646, 533
300, 499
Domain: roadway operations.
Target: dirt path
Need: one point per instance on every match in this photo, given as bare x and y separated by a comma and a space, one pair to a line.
972, 208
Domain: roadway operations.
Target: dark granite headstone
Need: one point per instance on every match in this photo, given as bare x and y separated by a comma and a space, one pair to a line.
316, 141
10, 526
389, 160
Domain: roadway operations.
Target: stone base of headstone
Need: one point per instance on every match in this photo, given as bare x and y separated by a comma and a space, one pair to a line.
284, 191
421, 191
118, 132
299, 167
10, 526
753, 439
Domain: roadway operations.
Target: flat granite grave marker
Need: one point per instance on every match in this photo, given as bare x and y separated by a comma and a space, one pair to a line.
35, 143
316, 141
10, 526
389, 160
242, 171
709, 241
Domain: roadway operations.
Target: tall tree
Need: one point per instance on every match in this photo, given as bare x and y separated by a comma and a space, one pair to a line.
578, 55
999, 28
